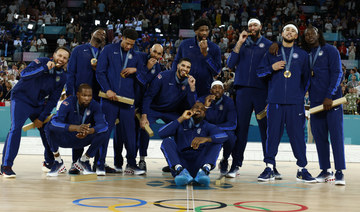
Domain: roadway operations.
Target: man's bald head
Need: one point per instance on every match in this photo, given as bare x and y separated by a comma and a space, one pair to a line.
156, 51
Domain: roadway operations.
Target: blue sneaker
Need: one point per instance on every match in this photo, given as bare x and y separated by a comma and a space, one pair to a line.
83, 166
339, 178
267, 175
202, 177
183, 178
7, 172
56, 169
325, 176
305, 176
223, 166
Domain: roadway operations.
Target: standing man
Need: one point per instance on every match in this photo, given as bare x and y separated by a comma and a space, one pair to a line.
42, 78
205, 56
78, 123
251, 91
150, 69
81, 69
191, 146
220, 111
168, 94
115, 73
288, 75
326, 75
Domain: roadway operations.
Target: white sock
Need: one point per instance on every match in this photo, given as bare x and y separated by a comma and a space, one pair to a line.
208, 166
58, 159
177, 166
300, 168
328, 170
84, 158
271, 166
142, 157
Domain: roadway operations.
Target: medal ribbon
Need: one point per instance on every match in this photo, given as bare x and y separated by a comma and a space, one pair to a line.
312, 63
287, 64
78, 112
95, 55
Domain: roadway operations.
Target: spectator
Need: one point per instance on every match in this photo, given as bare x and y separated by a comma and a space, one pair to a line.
352, 51
17, 45
343, 50
42, 44
351, 105
74, 43
12, 80
352, 73
61, 41
78, 32
353, 83
33, 45
117, 39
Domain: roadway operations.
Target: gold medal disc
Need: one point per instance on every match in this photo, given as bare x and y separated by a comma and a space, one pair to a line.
287, 74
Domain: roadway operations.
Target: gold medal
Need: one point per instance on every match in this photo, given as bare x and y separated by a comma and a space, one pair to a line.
122, 74
287, 74
93, 61
312, 73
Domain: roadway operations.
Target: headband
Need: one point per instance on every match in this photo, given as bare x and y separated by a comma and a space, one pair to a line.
291, 26
254, 20
217, 82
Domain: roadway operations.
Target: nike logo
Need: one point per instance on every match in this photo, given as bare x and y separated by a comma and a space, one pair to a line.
116, 52
191, 47
171, 83
85, 50
300, 114
186, 129
337, 108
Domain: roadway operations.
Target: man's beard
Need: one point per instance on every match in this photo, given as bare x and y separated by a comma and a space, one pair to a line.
200, 38
253, 37
198, 119
288, 41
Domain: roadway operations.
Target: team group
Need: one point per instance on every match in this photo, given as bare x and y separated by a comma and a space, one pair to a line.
200, 119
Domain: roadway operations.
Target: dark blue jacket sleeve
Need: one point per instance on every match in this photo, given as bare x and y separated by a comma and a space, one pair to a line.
335, 72
71, 73
217, 135
102, 68
169, 129
231, 119
59, 120
99, 118
265, 67
213, 59
34, 69
233, 60
52, 101
150, 93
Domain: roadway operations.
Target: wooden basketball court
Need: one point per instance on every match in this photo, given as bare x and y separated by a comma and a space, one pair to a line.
33, 191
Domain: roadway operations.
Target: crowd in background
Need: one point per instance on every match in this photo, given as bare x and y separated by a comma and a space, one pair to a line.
159, 21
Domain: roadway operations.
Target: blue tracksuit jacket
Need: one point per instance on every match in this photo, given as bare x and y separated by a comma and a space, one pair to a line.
286, 90
36, 83
221, 113
110, 66
185, 132
80, 70
167, 94
203, 69
325, 83
68, 114
247, 60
